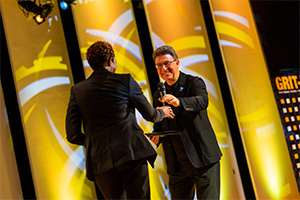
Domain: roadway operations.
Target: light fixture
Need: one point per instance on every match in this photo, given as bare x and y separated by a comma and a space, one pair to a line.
39, 19
66, 4
39, 8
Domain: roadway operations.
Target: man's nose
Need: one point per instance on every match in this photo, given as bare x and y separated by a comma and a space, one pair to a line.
164, 67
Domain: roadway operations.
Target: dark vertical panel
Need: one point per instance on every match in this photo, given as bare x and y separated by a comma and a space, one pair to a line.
15, 122
228, 103
74, 56
72, 44
146, 44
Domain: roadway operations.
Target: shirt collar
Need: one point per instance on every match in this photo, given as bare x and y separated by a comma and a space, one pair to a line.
174, 86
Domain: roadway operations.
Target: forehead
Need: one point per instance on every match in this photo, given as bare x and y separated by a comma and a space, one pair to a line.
163, 58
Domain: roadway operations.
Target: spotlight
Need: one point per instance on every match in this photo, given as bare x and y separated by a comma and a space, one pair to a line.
39, 19
65, 4
39, 8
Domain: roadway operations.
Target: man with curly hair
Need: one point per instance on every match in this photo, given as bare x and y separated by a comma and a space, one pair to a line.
117, 150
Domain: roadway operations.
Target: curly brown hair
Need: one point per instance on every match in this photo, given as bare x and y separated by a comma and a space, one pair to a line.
98, 53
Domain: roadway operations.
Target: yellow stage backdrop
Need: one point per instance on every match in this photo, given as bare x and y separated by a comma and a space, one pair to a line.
113, 21
10, 187
42, 76
180, 24
255, 106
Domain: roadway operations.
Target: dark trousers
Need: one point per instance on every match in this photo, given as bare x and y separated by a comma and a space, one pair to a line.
205, 181
129, 181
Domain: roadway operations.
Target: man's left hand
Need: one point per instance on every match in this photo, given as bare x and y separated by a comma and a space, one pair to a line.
170, 99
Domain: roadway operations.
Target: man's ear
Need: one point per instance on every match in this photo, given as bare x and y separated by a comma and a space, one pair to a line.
108, 61
111, 59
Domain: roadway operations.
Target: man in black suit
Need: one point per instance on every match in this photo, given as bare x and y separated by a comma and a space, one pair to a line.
117, 150
192, 157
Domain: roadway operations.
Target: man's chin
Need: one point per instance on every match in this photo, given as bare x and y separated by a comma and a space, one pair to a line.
168, 80
167, 76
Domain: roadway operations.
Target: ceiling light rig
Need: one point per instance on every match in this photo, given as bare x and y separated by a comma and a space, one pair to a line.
39, 8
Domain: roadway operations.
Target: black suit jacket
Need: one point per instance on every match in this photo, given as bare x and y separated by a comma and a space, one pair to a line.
106, 104
198, 137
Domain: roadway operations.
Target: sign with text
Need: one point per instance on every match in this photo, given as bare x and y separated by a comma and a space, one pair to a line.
286, 85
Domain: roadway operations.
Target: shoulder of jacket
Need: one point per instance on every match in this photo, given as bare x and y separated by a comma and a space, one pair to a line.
79, 84
122, 75
191, 77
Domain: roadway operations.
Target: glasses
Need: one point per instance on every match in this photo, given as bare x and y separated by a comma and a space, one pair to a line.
167, 63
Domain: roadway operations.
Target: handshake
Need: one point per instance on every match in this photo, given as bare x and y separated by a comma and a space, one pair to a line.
168, 111
171, 100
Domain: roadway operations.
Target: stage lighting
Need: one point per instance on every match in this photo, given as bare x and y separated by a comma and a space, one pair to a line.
39, 19
63, 5
66, 4
39, 8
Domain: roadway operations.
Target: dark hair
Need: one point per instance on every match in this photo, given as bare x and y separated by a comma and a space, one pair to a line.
163, 50
98, 53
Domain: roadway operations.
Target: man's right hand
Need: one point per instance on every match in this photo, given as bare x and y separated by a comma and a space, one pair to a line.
168, 111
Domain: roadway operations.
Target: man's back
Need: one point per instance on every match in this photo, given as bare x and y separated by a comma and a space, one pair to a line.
106, 102
103, 98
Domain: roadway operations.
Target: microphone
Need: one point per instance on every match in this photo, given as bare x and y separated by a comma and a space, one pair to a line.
162, 90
